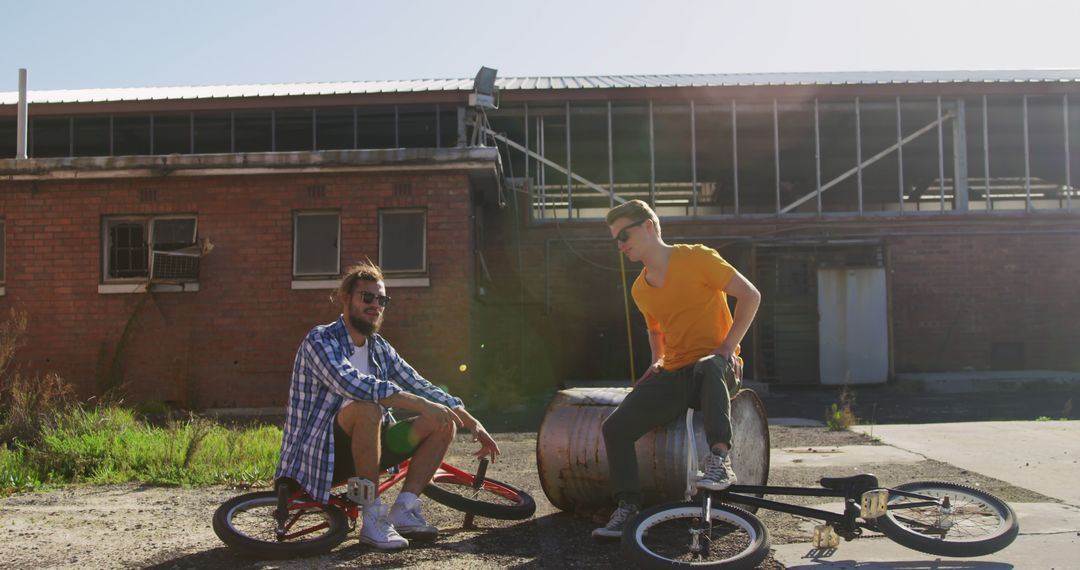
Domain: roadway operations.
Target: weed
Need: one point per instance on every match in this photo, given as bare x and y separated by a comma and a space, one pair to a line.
841, 416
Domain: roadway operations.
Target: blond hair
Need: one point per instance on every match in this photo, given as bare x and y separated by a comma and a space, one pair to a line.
362, 271
635, 211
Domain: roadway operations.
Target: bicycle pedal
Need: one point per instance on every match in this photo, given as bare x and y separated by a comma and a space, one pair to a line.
825, 537
874, 503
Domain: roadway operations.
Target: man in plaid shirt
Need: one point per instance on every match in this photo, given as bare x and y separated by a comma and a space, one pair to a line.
338, 424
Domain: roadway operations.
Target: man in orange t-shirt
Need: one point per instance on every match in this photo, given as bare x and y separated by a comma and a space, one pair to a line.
694, 339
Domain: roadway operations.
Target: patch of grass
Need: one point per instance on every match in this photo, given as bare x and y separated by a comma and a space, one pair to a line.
841, 416
112, 445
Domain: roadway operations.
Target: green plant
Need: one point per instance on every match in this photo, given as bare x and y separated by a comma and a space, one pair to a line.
841, 415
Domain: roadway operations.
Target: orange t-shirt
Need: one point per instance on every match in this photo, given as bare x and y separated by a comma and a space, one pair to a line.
690, 308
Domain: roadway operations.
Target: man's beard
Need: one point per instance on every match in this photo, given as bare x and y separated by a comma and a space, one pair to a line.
365, 327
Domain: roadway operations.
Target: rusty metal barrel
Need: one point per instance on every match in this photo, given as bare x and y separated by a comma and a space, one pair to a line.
573, 464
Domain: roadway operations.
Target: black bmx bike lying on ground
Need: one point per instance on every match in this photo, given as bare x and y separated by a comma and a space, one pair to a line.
287, 523
939, 518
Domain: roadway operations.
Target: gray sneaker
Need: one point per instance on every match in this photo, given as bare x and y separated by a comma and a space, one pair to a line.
618, 520
718, 473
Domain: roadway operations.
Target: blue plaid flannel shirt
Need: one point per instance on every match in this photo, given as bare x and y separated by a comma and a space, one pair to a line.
323, 378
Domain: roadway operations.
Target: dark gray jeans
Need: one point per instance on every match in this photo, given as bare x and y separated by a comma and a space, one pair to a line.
706, 385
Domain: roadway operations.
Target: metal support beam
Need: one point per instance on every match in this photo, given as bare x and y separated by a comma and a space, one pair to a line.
960, 158
776, 150
900, 153
462, 130
1068, 167
940, 158
986, 153
652, 158
858, 153
527, 179
610, 160
817, 153
569, 178
551, 164
866, 163
735, 154
693, 159
1027, 160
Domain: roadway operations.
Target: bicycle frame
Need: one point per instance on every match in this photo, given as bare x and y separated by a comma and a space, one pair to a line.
846, 524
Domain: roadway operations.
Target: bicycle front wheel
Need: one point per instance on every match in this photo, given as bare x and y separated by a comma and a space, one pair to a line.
494, 499
247, 524
674, 535
970, 523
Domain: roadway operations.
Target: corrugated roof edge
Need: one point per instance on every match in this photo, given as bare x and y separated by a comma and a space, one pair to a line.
545, 83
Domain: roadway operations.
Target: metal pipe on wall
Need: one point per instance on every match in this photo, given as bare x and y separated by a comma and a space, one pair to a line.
900, 153
21, 130
1068, 167
735, 154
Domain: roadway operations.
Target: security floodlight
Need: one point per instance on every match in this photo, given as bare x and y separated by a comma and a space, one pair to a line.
484, 90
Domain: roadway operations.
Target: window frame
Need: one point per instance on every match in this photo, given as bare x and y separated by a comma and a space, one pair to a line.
296, 275
423, 270
148, 221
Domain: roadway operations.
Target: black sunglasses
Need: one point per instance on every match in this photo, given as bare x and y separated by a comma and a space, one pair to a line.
623, 236
369, 297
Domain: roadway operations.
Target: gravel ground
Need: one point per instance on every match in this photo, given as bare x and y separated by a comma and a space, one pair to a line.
134, 526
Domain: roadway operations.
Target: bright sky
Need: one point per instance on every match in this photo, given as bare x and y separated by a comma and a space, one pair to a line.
71, 44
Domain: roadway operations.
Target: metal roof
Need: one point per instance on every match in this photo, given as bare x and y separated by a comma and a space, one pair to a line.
548, 84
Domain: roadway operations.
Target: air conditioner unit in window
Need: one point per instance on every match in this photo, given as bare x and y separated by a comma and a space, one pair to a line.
175, 265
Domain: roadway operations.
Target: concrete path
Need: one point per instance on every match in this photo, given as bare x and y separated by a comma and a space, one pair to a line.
1041, 456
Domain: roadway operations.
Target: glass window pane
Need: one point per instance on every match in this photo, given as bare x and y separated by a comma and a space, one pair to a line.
316, 251
50, 137
293, 129
8, 132
131, 135
91, 136
253, 132
172, 134
402, 241
334, 128
127, 249
212, 133
170, 234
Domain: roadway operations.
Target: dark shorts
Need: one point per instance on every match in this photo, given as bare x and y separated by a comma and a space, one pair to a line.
396, 448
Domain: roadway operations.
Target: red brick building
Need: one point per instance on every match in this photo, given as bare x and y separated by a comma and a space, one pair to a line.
894, 222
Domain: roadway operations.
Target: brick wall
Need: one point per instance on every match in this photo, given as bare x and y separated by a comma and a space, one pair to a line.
232, 342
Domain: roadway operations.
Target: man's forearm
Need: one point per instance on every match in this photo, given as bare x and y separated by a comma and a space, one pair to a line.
745, 311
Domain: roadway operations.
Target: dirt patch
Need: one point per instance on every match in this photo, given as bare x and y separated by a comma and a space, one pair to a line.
134, 526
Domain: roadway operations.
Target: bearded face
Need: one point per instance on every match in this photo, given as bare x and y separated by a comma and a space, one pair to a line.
364, 311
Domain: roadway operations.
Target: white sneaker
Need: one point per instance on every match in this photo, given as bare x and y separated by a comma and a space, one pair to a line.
617, 522
718, 473
406, 518
377, 531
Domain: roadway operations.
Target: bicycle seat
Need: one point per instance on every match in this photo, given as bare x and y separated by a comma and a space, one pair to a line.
853, 484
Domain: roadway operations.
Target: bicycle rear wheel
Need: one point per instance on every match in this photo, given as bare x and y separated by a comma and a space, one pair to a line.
973, 523
664, 537
247, 524
494, 499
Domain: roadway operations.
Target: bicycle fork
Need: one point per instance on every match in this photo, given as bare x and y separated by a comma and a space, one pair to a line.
699, 535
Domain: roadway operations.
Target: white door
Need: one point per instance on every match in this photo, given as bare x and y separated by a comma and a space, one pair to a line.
852, 326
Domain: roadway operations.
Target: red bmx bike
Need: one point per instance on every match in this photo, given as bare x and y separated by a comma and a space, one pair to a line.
286, 522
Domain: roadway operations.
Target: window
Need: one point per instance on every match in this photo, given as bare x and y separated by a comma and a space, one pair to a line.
403, 241
316, 244
141, 247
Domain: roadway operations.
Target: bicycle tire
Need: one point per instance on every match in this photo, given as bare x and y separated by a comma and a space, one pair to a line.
495, 499
980, 523
246, 523
658, 537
